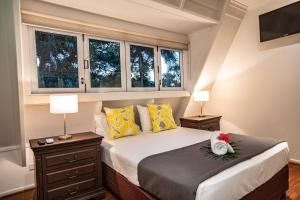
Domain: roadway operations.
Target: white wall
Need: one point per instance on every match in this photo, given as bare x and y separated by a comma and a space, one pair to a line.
39, 122
209, 48
11, 115
258, 90
13, 175
15, 178
9, 101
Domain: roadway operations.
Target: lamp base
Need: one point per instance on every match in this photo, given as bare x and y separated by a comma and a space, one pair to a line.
202, 116
65, 137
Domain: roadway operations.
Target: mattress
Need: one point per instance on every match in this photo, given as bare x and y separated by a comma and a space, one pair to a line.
124, 154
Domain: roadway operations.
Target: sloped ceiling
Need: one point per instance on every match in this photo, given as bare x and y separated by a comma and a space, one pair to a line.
179, 17
253, 3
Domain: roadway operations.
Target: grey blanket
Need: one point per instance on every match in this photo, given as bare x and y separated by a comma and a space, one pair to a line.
176, 174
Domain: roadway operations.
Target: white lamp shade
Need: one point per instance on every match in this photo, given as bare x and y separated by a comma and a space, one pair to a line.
201, 96
63, 104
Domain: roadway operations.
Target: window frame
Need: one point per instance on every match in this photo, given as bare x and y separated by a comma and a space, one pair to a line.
88, 72
84, 81
128, 68
181, 70
34, 68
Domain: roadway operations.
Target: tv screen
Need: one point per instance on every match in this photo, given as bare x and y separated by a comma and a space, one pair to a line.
280, 22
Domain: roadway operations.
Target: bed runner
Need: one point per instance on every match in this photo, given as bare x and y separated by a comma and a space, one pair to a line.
176, 174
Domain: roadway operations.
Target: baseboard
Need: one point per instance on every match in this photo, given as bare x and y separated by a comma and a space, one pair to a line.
12, 147
16, 190
295, 161
9, 148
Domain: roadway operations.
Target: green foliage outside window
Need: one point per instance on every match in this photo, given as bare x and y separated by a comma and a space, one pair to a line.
170, 63
142, 66
56, 57
105, 63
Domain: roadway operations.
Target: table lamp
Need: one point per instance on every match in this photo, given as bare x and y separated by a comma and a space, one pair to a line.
64, 104
201, 96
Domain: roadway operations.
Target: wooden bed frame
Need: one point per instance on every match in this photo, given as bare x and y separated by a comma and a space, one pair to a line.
273, 189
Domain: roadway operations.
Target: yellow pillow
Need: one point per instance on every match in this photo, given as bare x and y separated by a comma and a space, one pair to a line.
161, 117
121, 122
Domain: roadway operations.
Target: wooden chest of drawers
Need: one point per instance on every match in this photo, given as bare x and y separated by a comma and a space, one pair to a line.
208, 122
69, 169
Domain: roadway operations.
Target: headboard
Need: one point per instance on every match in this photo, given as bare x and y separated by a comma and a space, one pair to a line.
178, 105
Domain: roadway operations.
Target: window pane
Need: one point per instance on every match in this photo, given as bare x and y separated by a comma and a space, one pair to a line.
105, 64
142, 66
170, 68
56, 57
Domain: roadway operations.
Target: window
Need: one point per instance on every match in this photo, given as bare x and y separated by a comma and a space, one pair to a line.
107, 65
68, 62
56, 58
141, 61
170, 69
56, 61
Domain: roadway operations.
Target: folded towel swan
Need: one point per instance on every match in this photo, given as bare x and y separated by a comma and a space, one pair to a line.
219, 147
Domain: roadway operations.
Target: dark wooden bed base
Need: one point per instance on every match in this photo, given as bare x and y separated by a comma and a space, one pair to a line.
274, 189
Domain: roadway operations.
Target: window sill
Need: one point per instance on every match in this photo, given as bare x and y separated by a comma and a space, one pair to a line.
38, 99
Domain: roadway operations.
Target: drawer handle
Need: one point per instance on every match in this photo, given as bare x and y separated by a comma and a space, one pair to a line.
71, 160
72, 192
71, 176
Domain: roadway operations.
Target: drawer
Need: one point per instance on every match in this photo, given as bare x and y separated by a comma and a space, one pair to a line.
190, 125
69, 175
69, 158
209, 126
70, 191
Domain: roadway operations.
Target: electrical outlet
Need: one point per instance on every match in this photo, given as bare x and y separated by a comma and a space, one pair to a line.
31, 166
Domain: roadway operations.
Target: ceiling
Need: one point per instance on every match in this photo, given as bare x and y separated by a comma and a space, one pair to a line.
252, 3
147, 12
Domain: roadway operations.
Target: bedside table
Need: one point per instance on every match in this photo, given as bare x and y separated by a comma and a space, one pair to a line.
208, 122
69, 169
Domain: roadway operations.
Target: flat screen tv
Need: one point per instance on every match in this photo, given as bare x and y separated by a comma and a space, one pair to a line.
280, 22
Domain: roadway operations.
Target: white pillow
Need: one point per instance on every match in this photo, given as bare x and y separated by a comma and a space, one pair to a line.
144, 118
101, 124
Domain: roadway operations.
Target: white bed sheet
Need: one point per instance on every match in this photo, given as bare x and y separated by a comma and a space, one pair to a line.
124, 154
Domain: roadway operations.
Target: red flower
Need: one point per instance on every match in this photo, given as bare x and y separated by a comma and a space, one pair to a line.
224, 137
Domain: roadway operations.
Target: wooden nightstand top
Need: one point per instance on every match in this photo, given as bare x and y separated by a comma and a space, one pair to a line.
207, 122
204, 118
78, 137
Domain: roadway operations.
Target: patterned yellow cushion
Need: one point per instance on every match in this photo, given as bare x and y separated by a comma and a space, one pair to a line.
121, 122
161, 117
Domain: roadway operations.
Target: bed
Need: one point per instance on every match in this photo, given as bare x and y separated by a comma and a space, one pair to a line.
264, 176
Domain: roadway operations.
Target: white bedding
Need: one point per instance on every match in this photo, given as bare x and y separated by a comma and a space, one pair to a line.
124, 154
